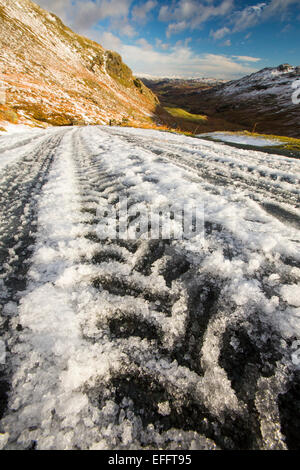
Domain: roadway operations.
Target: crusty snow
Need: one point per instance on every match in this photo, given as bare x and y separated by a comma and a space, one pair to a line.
98, 314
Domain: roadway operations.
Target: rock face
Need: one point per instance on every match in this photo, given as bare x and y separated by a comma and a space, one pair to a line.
52, 75
263, 100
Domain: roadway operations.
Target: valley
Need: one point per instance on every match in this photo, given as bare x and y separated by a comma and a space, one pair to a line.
261, 102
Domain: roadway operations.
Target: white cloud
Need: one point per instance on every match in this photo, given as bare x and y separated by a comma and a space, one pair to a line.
183, 43
161, 45
163, 13
190, 14
244, 58
220, 33
248, 17
141, 12
253, 15
123, 27
227, 43
84, 14
174, 28
144, 44
277, 6
110, 41
179, 60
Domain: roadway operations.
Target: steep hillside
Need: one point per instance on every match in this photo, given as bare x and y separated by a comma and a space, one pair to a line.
262, 101
52, 75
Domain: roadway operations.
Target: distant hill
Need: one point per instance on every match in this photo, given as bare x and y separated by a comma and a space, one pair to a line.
179, 92
53, 76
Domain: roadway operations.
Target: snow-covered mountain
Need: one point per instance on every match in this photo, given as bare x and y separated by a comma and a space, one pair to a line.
178, 79
263, 99
50, 74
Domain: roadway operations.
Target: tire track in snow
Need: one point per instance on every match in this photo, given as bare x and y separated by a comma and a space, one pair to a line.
264, 179
18, 140
19, 186
143, 343
189, 395
31, 352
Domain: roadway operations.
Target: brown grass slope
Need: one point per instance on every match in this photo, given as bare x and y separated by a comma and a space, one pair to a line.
54, 76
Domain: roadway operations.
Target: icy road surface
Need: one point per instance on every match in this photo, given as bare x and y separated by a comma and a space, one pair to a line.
115, 344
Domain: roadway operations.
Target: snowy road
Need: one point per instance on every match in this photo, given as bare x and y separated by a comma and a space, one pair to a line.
115, 343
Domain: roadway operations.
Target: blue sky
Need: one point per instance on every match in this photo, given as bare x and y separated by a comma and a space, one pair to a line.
188, 38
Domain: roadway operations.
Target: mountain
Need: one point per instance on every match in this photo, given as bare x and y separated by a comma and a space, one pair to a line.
260, 101
177, 78
52, 75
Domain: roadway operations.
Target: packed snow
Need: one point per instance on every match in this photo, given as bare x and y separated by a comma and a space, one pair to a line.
19, 137
140, 338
